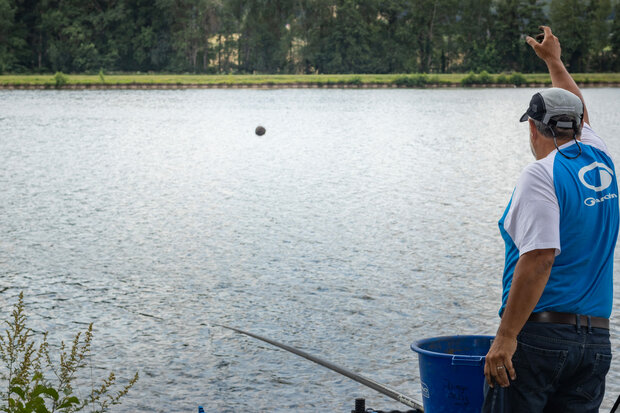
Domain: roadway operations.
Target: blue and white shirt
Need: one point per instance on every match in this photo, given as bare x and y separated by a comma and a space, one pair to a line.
570, 205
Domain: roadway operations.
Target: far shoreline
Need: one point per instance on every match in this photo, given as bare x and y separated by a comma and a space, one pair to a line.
185, 86
140, 81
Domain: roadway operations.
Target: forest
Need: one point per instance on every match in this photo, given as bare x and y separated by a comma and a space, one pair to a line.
302, 36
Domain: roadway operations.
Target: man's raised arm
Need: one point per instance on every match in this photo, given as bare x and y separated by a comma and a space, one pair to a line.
550, 52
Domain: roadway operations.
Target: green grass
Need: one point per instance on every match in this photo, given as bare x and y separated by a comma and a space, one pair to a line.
209, 79
174, 79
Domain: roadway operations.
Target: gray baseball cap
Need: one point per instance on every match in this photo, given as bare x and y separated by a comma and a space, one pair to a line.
553, 102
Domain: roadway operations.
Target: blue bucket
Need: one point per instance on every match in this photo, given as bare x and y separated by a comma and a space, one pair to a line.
452, 372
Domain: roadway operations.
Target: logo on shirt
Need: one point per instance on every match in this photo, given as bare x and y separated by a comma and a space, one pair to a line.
604, 171
594, 201
606, 177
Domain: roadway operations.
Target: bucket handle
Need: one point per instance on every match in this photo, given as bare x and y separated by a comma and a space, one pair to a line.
467, 360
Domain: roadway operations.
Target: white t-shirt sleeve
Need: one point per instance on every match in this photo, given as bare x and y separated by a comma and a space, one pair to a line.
533, 220
589, 137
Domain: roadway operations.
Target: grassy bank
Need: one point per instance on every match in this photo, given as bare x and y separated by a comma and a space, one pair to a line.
410, 80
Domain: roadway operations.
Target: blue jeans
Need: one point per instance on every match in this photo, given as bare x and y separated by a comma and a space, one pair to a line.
560, 368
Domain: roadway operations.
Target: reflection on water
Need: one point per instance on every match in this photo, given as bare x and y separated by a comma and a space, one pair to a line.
360, 222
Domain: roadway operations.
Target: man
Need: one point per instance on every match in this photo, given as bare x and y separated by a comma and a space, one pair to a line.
552, 349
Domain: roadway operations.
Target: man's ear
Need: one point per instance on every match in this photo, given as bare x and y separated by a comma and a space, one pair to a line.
533, 130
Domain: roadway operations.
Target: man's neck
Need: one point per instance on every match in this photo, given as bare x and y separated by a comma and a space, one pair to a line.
548, 147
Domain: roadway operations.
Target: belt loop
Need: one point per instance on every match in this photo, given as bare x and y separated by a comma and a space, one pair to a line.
589, 325
578, 323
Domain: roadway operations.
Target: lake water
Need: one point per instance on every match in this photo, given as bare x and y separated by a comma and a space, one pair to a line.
362, 221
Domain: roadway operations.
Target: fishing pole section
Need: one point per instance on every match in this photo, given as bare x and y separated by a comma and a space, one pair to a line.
381, 388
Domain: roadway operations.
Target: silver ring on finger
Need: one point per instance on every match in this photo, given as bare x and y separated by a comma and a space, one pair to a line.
500, 367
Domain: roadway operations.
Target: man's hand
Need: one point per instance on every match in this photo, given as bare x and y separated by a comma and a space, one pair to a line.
549, 49
498, 365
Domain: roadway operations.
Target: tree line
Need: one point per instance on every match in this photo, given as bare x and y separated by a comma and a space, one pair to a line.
302, 36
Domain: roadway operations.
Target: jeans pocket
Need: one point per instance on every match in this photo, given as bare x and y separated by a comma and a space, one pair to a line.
538, 367
593, 379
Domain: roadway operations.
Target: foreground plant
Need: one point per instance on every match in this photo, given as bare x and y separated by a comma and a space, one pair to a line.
25, 384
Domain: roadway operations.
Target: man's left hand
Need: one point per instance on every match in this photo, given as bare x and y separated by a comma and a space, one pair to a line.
498, 366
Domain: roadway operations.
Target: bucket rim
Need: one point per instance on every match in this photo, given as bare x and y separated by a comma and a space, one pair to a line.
415, 346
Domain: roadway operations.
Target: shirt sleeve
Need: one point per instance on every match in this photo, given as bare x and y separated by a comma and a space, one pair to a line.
589, 137
533, 220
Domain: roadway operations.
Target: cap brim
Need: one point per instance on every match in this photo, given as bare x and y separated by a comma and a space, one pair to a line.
524, 117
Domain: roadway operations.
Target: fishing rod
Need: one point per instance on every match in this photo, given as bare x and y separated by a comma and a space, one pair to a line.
616, 404
381, 388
